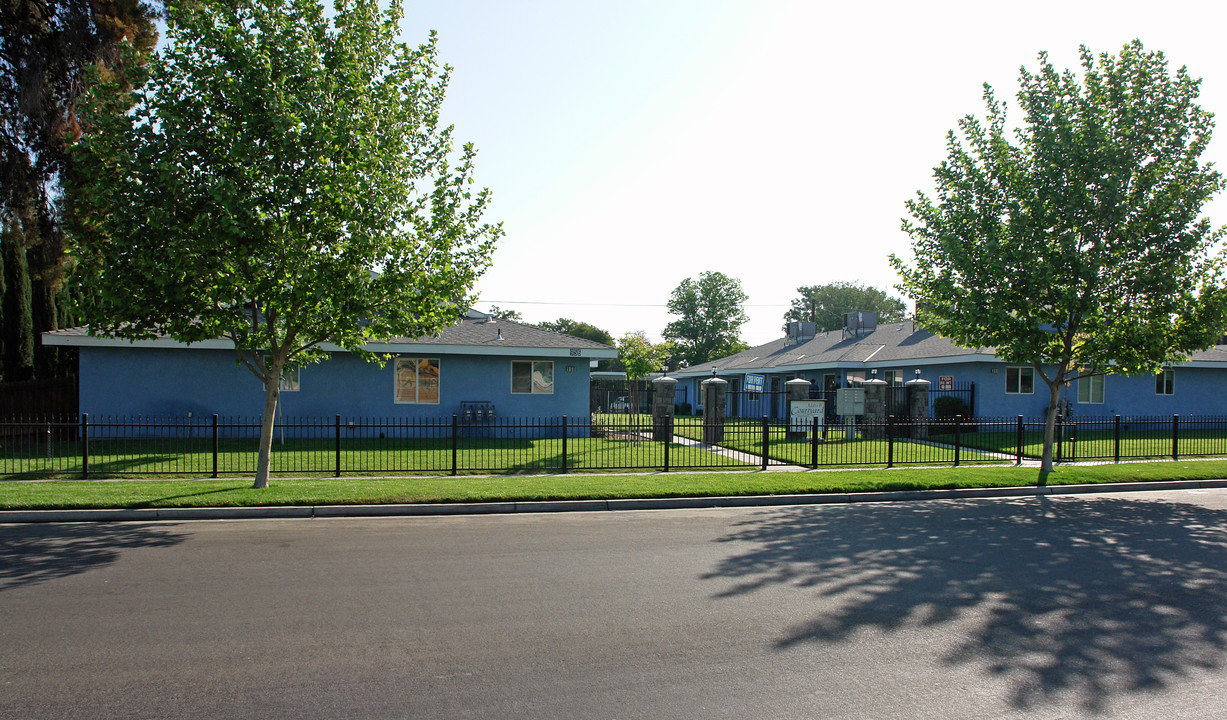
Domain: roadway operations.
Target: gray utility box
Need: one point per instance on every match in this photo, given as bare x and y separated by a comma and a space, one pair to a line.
850, 401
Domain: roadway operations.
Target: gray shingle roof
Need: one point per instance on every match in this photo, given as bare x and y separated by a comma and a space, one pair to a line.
889, 343
473, 332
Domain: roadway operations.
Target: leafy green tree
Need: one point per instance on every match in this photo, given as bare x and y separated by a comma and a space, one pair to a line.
586, 331
711, 310
578, 329
48, 49
826, 304
1076, 248
640, 358
501, 314
283, 182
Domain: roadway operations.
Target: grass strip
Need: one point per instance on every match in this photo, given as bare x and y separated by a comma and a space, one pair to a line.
95, 494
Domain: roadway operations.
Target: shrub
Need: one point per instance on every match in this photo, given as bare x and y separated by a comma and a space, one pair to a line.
947, 407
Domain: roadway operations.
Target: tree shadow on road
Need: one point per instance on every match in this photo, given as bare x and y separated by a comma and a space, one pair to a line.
32, 554
1073, 597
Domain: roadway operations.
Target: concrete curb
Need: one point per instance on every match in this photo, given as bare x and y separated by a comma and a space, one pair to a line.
496, 508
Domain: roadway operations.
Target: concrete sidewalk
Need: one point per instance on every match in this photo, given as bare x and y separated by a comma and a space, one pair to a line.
426, 509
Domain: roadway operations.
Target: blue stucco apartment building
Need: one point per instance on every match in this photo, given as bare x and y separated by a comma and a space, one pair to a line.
894, 352
515, 369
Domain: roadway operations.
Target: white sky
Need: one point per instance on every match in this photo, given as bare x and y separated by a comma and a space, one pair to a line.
631, 144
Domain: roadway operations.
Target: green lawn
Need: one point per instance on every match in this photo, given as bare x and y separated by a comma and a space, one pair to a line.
63, 494
1098, 441
180, 456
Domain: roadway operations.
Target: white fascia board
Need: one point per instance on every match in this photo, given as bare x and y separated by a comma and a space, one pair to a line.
497, 350
417, 348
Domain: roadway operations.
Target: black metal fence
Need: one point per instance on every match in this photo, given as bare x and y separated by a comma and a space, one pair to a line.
92, 447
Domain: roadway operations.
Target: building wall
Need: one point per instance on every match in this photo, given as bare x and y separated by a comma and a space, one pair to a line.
1197, 391
175, 382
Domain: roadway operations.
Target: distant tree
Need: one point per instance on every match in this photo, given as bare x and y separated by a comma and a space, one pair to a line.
18, 335
1076, 249
578, 329
711, 318
48, 51
640, 358
501, 314
826, 304
282, 182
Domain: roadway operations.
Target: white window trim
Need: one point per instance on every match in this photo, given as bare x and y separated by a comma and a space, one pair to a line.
1020, 369
416, 386
1163, 377
531, 367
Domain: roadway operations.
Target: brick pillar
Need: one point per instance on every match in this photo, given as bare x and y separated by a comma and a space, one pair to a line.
715, 395
875, 408
663, 392
918, 405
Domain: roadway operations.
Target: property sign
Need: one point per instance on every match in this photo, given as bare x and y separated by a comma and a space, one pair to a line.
801, 414
945, 382
754, 383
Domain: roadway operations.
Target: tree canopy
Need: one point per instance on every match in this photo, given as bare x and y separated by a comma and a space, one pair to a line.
711, 310
282, 181
48, 50
826, 304
1075, 246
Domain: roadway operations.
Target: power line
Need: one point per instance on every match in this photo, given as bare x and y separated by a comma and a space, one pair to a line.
591, 304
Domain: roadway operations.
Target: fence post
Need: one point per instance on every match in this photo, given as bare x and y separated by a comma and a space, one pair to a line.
890, 441
1060, 433
766, 441
668, 441
1175, 437
336, 434
1116, 439
455, 441
958, 437
813, 445
215, 445
1019, 436
84, 445
564, 443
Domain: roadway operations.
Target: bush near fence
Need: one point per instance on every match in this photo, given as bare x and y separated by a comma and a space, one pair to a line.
85, 446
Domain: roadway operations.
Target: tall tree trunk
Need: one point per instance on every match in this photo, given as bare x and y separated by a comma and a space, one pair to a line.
272, 389
1050, 424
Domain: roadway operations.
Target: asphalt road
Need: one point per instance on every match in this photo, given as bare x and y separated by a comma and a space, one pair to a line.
1065, 607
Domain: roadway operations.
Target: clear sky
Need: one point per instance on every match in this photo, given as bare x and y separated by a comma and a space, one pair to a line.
631, 144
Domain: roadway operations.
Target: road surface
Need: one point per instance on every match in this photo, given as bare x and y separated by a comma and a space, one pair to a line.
1065, 607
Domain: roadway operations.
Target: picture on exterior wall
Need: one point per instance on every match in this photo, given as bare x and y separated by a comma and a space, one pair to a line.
417, 380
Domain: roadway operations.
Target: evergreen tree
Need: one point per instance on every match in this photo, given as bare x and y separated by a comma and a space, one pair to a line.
48, 49
18, 326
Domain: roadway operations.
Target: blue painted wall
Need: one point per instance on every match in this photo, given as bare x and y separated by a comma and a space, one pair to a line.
1197, 391
175, 382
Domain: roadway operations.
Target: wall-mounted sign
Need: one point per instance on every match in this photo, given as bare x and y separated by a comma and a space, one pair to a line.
754, 383
945, 382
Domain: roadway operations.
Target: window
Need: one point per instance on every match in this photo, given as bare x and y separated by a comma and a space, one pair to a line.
1090, 389
532, 377
1020, 380
417, 380
1165, 382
